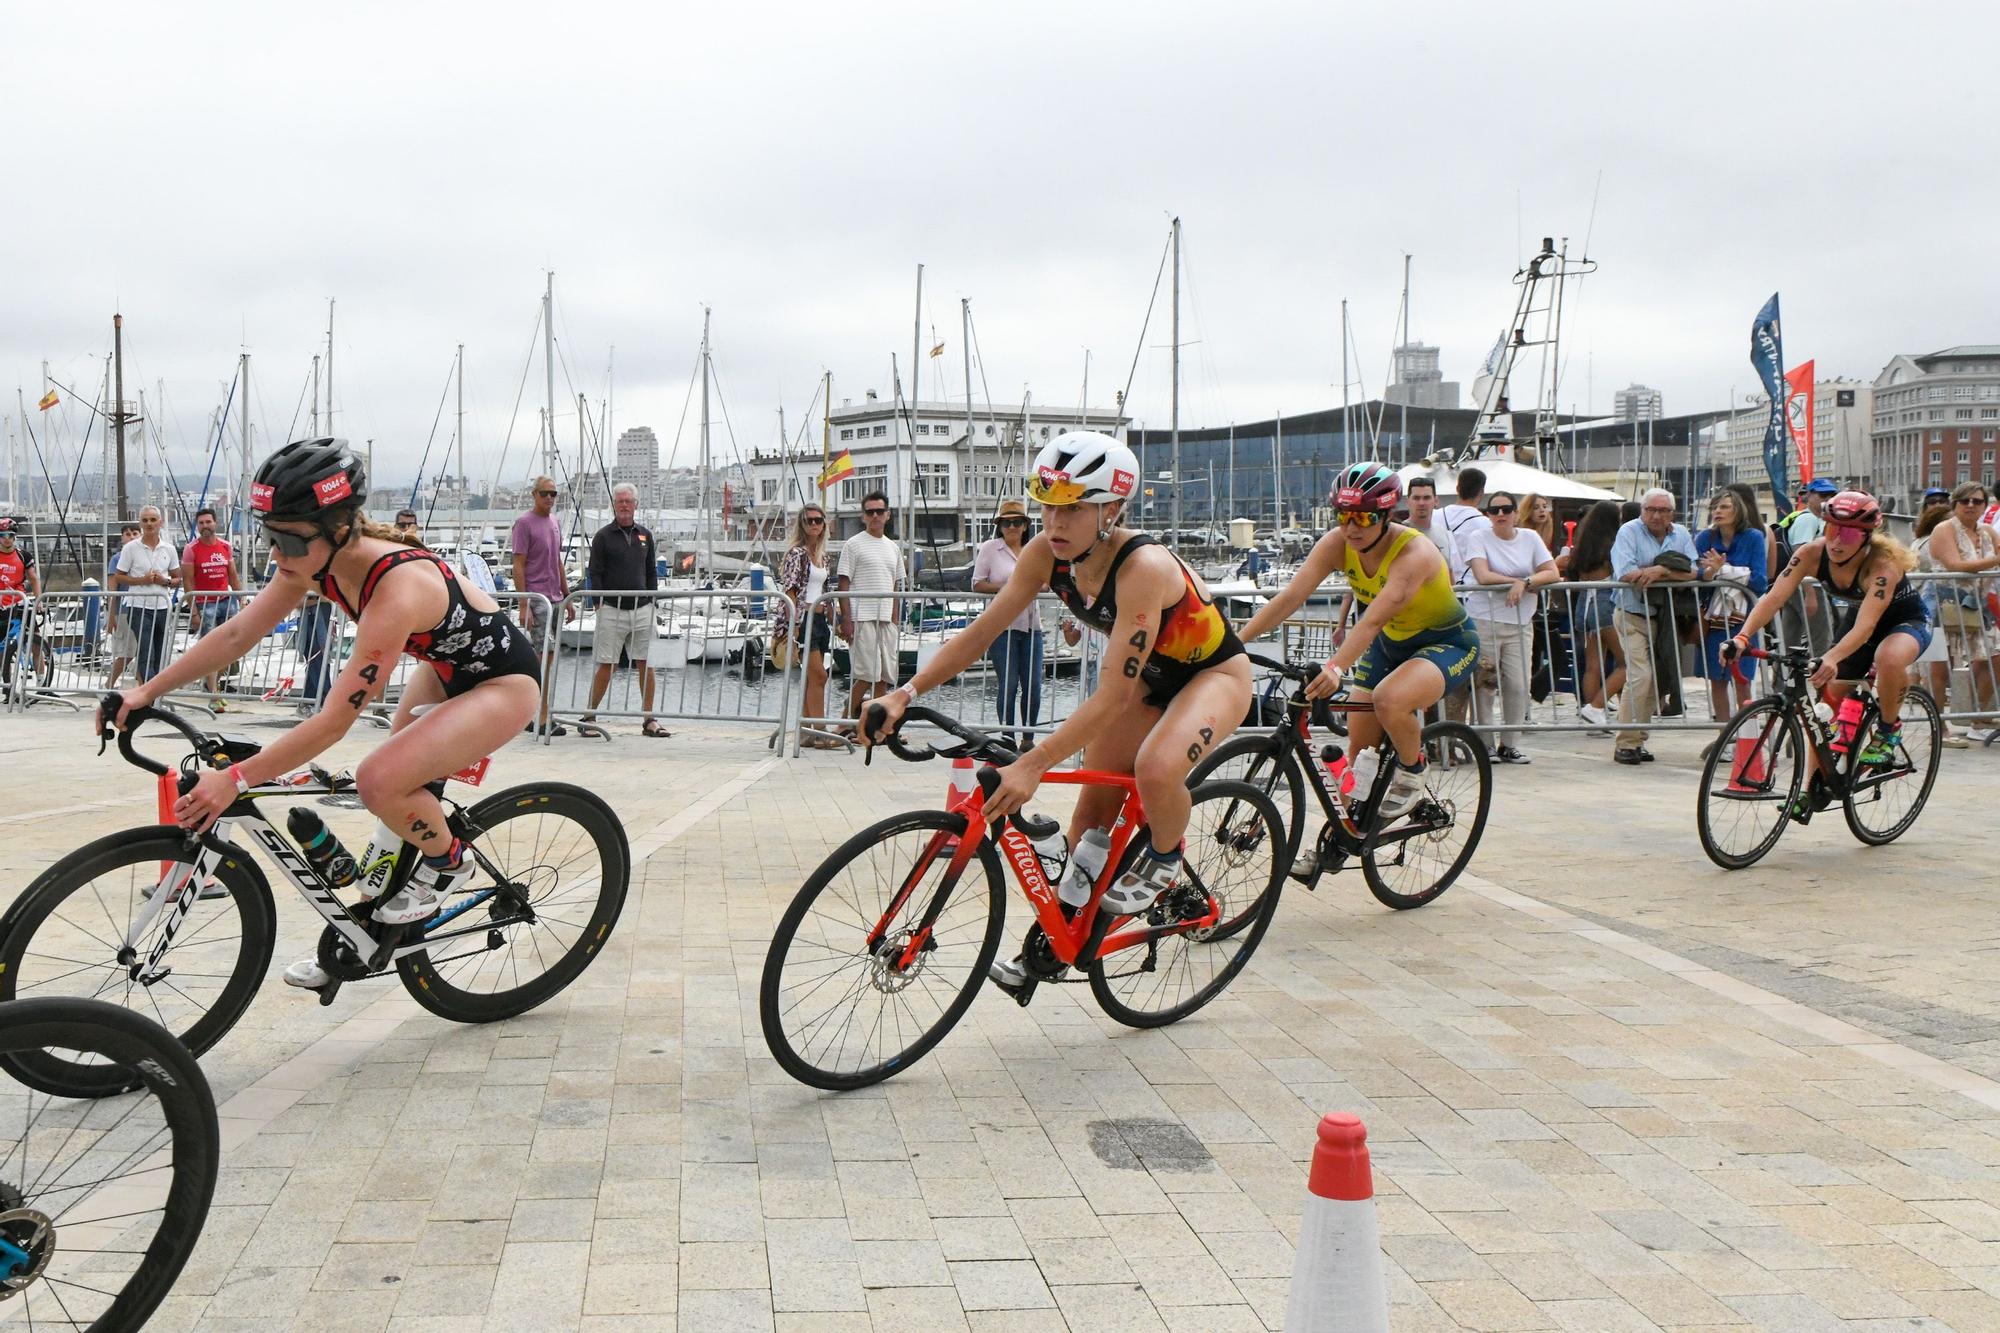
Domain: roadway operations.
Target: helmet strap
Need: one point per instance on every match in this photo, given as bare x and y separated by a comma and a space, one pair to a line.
326, 531
1383, 528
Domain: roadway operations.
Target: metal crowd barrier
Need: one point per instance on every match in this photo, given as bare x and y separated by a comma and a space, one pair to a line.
709, 657
925, 620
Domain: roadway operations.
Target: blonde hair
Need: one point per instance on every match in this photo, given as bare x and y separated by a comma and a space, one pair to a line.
800, 537
1881, 546
365, 526
1526, 518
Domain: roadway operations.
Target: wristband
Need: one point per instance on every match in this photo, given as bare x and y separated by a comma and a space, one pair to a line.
236, 776
907, 688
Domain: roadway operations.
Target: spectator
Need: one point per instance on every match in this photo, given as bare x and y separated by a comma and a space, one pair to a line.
870, 563
1504, 556
1964, 547
406, 524
1463, 519
1806, 620
1422, 494
1590, 612
1017, 653
621, 562
536, 543
1637, 561
1538, 515
153, 571
1730, 552
19, 581
210, 567
118, 629
802, 578
1936, 654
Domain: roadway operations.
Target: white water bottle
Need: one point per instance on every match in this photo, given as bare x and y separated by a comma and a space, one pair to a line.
380, 859
1052, 851
1092, 851
1363, 768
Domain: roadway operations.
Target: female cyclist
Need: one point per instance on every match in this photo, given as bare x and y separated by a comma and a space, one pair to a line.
1883, 621
1174, 683
479, 687
1413, 645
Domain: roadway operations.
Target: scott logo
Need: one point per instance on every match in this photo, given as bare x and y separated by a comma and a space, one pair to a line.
330, 489
260, 497
1121, 481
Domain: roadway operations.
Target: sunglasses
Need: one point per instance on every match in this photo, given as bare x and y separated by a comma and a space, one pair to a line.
1500, 509
1012, 523
874, 513
547, 495
1847, 531
814, 520
1973, 500
288, 543
1359, 518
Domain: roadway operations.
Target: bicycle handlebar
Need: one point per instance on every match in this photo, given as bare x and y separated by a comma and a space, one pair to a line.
974, 742
1302, 673
107, 715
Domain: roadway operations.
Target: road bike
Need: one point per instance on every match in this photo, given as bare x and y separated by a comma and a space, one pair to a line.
26, 661
1407, 858
1755, 780
101, 1201
182, 926
885, 947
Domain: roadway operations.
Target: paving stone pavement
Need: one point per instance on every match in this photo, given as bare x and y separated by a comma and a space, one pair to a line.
1606, 1087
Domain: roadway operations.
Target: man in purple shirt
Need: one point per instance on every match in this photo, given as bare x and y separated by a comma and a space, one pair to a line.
536, 544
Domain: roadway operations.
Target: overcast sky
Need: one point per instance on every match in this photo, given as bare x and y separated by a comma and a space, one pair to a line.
217, 172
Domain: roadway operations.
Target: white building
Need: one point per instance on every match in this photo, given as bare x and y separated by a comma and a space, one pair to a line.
1935, 419
943, 483
638, 461
1842, 415
1637, 402
1418, 380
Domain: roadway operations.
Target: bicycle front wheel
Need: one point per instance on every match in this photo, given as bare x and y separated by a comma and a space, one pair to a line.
75, 931
1752, 777
1411, 859
1883, 800
1232, 865
846, 1000
1267, 762
105, 1199
564, 864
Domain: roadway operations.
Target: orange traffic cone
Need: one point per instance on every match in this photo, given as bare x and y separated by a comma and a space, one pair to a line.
1746, 771
963, 783
1337, 1282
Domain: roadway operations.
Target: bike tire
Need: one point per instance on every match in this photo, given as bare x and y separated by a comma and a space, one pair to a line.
440, 984
1772, 731
1267, 762
847, 933
151, 1060
73, 933
1204, 868
1919, 707
1452, 749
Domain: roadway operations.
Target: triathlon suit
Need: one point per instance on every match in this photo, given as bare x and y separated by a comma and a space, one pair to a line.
14, 569
1193, 636
1905, 614
467, 646
1432, 628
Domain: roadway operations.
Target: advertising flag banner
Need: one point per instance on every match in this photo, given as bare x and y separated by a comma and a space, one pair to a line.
1767, 354
1799, 416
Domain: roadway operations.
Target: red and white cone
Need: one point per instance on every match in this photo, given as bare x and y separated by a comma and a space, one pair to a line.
963, 783
1337, 1284
1746, 772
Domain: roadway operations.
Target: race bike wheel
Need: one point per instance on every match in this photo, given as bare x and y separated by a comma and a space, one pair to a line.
66, 935
1235, 862
101, 1201
564, 862
839, 1013
1267, 762
1406, 869
1883, 801
1749, 784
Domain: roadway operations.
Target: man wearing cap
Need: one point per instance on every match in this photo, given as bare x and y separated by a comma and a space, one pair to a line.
1803, 621
1017, 654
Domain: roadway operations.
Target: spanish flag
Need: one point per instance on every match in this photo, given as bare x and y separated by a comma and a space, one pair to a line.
937, 350
49, 400
840, 468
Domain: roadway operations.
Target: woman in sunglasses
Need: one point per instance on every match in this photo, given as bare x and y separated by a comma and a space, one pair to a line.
1883, 623
1017, 653
1413, 645
1174, 682
481, 684
802, 578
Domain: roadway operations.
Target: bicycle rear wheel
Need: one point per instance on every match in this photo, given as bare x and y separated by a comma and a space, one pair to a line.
66, 933
839, 1013
1883, 801
101, 1202
565, 863
1233, 857
1406, 869
1267, 762
1752, 777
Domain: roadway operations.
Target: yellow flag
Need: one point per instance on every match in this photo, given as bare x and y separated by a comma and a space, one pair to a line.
840, 468
49, 400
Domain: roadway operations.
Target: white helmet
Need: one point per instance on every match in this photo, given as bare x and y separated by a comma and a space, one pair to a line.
1083, 467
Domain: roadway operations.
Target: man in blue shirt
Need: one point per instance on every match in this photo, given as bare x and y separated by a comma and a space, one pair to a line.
1634, 562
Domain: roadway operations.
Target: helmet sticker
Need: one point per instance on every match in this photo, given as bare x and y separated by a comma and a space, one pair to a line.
1121, 481
260, 497
330, 489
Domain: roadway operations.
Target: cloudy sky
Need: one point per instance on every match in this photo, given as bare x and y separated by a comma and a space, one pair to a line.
217, 172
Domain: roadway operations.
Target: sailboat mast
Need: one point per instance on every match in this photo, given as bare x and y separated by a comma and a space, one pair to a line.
1278, 469
910, 417
549, 370
707, 556
1176, 396
329, 369
1403, 426
1346, 417
315, 407
243, 492
971, 489
118, 404
460, 538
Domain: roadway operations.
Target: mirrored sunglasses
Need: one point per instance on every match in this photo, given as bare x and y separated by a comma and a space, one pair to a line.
287, 543
1359, 518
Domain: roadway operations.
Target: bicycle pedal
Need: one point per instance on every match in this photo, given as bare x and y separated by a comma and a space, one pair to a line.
328, 991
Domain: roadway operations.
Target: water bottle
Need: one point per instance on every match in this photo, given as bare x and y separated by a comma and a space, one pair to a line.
1362, 770
380, 859
1092, 851
1823, 713
1052, 851
323, 851
1846, 723
1337, 768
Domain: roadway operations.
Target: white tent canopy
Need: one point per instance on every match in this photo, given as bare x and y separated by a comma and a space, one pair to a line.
1504, 474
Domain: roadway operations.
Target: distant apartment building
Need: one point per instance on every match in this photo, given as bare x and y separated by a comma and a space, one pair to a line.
1840, 433
1934, 418
637, 461
1636, 402
1418, 382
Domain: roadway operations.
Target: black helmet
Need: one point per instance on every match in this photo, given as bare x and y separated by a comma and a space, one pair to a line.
304, 480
